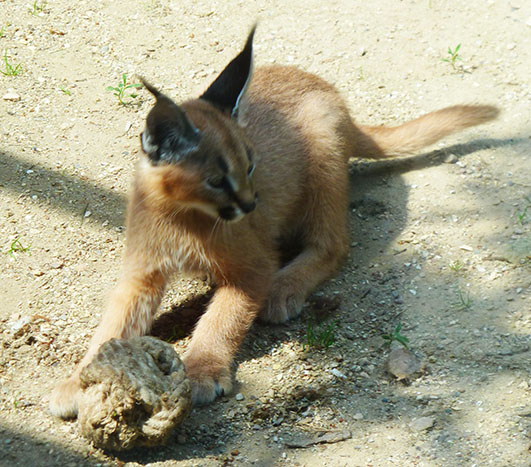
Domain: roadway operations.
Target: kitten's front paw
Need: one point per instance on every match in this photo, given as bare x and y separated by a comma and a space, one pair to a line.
63, 399
206, 389
207, 383
283, 304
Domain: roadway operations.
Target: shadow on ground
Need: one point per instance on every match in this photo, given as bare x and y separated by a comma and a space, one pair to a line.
61, 190
21, 450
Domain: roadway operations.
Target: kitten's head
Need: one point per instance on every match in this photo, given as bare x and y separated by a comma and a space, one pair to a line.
200, 150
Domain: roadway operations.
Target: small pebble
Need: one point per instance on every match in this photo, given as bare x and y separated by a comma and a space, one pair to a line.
337, 373
403, 364
422, 423
239, 397
11, 96
451, 159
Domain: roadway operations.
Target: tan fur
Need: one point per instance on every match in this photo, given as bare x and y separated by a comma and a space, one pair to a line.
303, 137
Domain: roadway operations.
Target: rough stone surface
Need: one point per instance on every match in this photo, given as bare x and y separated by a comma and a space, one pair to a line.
135, 392
403, 364
422, 423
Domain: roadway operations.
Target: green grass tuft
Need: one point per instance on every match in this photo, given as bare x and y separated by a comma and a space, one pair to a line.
120, 91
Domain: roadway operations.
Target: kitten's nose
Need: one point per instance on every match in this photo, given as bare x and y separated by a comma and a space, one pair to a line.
247, 207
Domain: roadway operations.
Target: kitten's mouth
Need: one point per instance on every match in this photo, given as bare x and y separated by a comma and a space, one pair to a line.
234, 213
230, 213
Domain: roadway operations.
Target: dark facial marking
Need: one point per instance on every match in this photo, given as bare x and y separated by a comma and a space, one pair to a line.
249, 152
227, 213
222, 164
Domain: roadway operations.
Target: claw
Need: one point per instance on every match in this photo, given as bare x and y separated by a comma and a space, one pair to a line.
219, 390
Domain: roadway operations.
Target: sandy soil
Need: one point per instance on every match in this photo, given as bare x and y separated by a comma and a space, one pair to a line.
440, 243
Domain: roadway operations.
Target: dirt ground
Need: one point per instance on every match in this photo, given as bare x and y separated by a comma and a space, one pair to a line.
439, 243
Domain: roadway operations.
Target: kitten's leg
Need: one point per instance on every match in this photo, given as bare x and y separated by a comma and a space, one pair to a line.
294, 282
130, 312
325, 245
219, 333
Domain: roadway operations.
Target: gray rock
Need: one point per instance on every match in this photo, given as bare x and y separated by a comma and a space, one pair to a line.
451, 159
422, 423
403, 364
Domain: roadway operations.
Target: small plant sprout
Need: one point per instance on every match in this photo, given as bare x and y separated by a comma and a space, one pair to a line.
10, 70
65, 91
17, 247
120, 91
396, 336
16, 401
453, 56
322, 337
176, 333
464, 302
38, 7
151, 4
523, 215
456, 266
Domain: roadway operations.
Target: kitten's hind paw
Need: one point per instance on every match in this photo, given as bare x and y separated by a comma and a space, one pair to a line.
63, 399
282, 306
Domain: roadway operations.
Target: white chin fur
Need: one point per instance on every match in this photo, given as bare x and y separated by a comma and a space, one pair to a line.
239, 216
213, 212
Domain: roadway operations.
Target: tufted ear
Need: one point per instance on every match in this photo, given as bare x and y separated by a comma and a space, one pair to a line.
229, 87
169, 135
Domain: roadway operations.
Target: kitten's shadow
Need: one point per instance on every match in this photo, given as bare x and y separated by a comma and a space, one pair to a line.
180, 320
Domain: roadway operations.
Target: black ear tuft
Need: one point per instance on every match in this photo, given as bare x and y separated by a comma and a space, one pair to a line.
152, 89
169, 135
228, 88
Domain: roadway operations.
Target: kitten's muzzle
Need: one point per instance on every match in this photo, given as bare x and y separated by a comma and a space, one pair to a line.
236, 212
245, 205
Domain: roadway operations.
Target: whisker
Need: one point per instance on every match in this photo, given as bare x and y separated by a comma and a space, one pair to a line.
212, 232
144, 198
178, 210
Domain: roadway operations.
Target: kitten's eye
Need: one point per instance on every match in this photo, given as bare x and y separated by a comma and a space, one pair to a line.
216, 183
250, 170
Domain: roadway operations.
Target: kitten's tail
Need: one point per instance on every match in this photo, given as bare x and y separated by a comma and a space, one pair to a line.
378, 142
